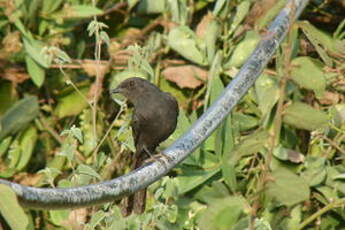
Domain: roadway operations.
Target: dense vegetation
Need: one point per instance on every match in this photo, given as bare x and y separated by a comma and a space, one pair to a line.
277, 162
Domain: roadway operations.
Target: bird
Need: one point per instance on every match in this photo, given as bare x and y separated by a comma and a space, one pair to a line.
154, 119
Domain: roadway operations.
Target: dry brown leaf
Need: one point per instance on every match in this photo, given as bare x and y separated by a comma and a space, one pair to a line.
258, 10
11, 43
295, 157
201, 27
28, 179
77, 219
16, 75
89, 67
186, 76
329, 98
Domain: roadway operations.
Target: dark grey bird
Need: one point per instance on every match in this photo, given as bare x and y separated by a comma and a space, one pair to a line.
154, 120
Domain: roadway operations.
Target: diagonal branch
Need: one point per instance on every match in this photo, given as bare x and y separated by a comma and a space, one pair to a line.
180, 149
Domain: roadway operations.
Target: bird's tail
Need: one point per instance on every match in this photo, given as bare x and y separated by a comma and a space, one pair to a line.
136, 202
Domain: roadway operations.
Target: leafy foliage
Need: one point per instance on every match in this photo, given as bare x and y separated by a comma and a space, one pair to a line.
277, 162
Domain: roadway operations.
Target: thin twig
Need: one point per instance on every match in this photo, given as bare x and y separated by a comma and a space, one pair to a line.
108, 131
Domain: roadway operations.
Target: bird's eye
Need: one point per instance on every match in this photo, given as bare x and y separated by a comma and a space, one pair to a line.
131, 83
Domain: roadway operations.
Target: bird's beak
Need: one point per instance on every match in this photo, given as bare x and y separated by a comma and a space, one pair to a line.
116, 90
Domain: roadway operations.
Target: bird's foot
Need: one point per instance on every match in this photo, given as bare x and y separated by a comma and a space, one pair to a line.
158, 157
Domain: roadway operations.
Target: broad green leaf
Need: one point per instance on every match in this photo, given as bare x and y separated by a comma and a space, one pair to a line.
184, 41
333, 181
76, 132
36, 72
59, 217
50, 6
245, 122
241, 13
10, 209
179, 11
13, 154
338, 114
214, 89
315, 172
27, 143
322, 41
34, 49
223, 214
97, 218
220, 4
209, 193
71, 104
267, 93
303, 116
18, 116
250, 144
229, 175
243, 50
82, 11
7, 97
151, 6
287, 188
89, 141
307, 73
285, 154
87, 170
191, 179
211, 35
4, 144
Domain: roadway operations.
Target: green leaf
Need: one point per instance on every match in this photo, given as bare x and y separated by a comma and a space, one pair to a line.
245, 122
229, 175
36, 72
250, 144
287, 188
315, 172
184, 41
34, 49
50, 6
307, 73
267, 93
83, 11
4, 144
191, 178
96, 219
211, 35
303, 116
269, 15
7, 97
322, 41
87, 170
243, 50
27, 143
222, 214
151, 6
215, 88
11, 210
13, 154
241, 13
288, 155
76, 132
18, 116
71, 104
59, 217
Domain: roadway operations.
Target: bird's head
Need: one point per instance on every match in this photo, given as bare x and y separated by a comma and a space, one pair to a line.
131, 88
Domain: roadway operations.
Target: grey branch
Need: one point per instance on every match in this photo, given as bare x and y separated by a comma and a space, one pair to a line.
53, 198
